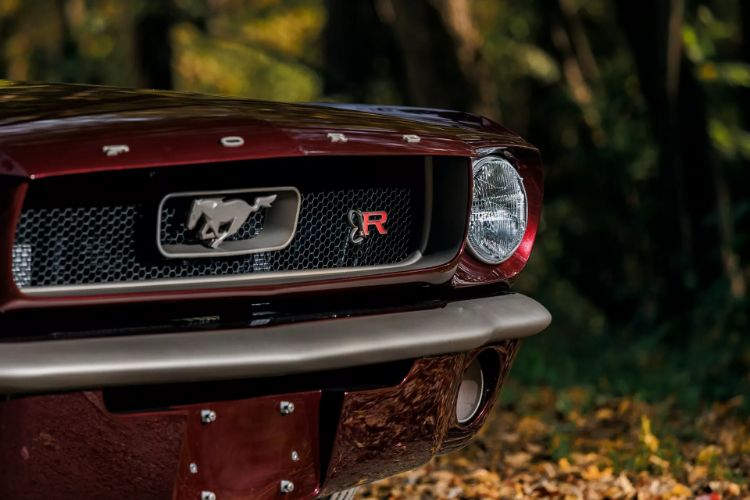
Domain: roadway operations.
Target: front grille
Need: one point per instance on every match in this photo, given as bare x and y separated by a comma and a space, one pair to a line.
87, 245
113, 243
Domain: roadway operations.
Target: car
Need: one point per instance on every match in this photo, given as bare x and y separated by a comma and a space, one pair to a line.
208, 298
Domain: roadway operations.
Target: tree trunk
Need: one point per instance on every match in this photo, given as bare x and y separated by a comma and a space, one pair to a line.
153, 44
677, 106
359, 49
441, 54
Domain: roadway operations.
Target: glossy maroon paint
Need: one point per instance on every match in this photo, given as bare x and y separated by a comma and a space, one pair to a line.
386, 431
56, 129
59, 446
459, 435
69, 446
247, 451
11, 198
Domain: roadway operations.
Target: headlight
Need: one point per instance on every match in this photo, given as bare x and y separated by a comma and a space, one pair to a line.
498, 210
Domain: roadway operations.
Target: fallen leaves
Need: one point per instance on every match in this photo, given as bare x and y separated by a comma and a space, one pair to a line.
647, 438
708, 454
604, 414
578, 445
592, 473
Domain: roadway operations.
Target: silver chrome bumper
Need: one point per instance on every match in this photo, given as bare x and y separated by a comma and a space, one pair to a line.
267, 351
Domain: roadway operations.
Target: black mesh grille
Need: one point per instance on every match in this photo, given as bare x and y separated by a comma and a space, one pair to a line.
76, 245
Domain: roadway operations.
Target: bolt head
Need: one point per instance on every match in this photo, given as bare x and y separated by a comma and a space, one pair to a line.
208, 416
286, 407
286, 486
193, 468
295, 456
208, 495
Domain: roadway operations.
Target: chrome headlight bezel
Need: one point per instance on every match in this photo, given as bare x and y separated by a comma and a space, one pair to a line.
516, 204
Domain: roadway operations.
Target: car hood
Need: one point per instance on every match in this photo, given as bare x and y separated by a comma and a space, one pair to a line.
54, 129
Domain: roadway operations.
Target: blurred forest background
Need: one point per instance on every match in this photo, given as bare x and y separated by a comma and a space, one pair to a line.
641, 109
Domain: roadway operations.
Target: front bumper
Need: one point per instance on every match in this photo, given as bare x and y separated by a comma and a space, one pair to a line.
78, 444
298, 348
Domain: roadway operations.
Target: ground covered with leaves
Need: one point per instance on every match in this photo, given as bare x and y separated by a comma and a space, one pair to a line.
575, 444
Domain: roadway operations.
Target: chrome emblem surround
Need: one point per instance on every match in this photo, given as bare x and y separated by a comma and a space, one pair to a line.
217, 213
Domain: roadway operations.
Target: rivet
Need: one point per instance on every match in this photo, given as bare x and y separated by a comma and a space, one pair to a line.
286, 407
208, 416
193, 468
295, 456
208, 495
337, 137
286, 486
232, 141
115, 149
411, 138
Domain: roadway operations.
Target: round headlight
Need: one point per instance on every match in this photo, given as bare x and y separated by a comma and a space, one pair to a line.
498, 210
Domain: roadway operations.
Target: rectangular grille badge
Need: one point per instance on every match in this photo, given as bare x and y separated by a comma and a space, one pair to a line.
226, 223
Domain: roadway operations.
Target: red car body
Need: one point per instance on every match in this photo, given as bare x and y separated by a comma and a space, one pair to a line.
182, 388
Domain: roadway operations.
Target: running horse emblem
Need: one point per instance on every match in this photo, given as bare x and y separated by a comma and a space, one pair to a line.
222, 218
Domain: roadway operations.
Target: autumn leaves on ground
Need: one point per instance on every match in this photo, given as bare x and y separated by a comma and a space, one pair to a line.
575, 444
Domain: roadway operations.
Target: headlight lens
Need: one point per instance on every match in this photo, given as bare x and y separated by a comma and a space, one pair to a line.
498, 210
